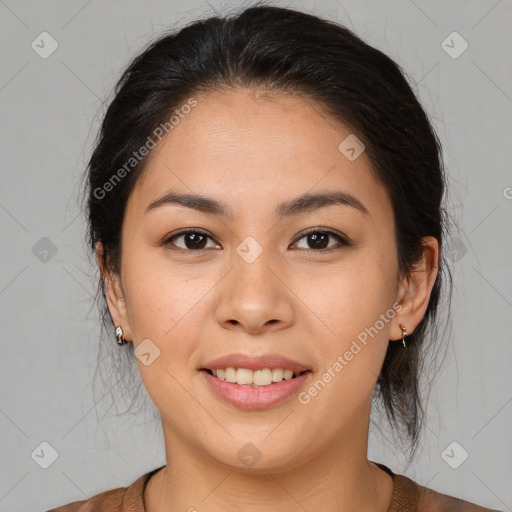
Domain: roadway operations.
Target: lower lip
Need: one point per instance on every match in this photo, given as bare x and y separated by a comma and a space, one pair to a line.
255, 398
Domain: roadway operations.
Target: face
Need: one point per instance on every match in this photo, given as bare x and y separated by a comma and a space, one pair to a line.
312, 281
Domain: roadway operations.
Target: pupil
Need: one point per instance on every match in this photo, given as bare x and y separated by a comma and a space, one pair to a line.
196, 239
320, 240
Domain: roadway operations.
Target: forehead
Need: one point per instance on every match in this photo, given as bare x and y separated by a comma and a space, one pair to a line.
252, 151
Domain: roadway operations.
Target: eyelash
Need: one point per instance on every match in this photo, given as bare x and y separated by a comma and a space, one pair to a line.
341, 239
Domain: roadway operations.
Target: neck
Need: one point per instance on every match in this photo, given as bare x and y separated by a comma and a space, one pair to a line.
338, 478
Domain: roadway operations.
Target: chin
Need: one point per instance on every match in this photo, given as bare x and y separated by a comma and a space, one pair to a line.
253, 457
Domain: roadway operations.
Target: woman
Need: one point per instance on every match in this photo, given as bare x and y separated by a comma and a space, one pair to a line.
265, 206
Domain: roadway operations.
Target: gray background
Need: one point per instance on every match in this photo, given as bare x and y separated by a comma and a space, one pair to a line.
49, 330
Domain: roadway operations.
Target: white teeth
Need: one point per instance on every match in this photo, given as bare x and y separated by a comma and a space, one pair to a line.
277, 375
248, 377
244, 376
288, 374
230, 374
262, 377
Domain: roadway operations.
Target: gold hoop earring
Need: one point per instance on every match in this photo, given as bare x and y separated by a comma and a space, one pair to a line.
404, 333
120, 336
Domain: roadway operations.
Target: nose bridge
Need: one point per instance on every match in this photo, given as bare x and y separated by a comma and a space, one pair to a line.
254, 277
253, 281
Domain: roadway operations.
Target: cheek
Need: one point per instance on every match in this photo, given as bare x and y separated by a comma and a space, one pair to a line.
165, 311
158, 295
353, 306
168, 307
350, 297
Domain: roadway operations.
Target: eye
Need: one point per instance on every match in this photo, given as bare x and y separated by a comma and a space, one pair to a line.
193, 240
318, 240
197, 240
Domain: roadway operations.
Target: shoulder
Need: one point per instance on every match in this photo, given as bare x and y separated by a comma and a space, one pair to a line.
411, 496
105, 501
121, 499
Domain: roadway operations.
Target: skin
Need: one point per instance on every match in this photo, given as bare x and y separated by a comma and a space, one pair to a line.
253, 151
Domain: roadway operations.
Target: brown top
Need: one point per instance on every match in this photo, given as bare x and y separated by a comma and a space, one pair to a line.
408, 496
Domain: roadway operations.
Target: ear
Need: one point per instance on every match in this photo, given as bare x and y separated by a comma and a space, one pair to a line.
114, 294
414, 290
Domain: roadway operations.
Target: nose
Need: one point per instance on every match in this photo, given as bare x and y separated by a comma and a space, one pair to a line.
254, 298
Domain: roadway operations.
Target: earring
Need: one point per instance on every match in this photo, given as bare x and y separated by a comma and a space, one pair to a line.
404, 333
119, 336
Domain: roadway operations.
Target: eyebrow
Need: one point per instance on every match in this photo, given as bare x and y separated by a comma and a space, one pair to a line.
304, 203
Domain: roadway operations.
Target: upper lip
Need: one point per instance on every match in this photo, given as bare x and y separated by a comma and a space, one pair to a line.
255, 362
